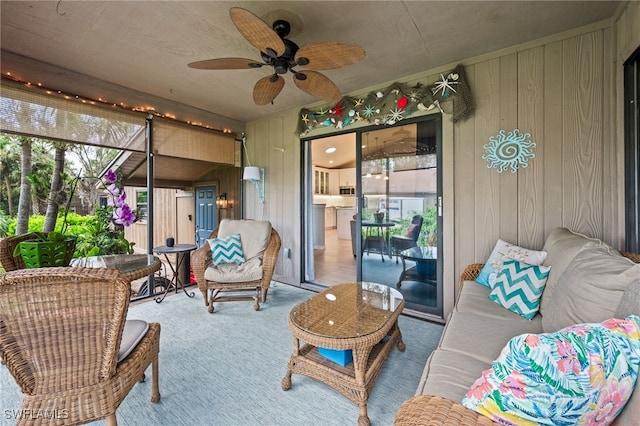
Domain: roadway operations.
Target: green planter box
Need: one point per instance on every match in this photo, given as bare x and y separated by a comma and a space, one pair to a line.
42, 254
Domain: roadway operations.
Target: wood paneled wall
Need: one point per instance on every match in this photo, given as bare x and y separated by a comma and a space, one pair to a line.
563, 90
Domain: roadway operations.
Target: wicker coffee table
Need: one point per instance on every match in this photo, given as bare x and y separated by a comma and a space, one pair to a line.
362, 317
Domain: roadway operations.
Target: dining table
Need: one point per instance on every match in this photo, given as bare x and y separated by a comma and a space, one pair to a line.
377, 237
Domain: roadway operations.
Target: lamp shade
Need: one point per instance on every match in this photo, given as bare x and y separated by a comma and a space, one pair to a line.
251, 173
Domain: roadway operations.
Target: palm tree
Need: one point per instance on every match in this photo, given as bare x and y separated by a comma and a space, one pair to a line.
9, 159
56, 195
24, 205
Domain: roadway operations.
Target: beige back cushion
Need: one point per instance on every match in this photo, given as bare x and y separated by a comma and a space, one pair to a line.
590, 289
561, 246
254, 235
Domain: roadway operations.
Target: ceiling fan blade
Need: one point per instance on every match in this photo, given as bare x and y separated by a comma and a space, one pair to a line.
317, 85
267, 88
256, 31
330, 55
225, 64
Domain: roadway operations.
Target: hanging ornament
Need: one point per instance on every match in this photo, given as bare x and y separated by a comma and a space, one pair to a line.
402, 102
508, 151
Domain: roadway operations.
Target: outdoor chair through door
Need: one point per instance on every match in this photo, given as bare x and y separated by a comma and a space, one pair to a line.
408, 240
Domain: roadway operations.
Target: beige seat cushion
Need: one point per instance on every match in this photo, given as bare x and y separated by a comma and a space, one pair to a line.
482, 337
450, 374
590, 289
474, 299
251, 270
133, 332
254, 235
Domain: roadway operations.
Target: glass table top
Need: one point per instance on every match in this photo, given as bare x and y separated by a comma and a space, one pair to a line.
125, 263
347, 310
420, 253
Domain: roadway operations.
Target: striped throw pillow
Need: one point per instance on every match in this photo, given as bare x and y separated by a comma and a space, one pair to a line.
226, 250
518, 287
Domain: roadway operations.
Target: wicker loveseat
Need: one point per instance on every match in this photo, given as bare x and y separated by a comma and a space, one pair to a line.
478, 328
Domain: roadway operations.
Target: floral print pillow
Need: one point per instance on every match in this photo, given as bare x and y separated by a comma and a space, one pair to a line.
582, 374
506, 251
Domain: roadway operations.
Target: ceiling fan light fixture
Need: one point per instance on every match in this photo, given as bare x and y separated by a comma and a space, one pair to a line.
281, 27
283, 55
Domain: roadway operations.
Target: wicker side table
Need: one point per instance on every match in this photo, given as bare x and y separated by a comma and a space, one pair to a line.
362, 317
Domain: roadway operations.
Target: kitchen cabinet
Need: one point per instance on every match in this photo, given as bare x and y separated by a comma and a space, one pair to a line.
321, 181
347, 177
329, 217
334, 178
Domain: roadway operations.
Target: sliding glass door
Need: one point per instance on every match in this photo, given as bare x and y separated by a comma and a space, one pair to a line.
400, 220
372, 212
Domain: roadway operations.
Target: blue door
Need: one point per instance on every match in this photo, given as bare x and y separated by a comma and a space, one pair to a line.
206, 213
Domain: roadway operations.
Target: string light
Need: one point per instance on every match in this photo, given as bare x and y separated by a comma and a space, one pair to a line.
145, 109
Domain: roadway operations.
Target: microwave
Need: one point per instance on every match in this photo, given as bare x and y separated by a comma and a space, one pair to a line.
347, 190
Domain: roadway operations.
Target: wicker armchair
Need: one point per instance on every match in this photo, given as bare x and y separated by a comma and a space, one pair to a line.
212, 290
61, 337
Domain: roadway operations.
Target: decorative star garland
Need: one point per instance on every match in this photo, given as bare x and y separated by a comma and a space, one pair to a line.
394, 104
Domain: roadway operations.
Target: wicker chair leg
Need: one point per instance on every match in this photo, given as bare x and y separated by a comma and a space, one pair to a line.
155, 386
264, 294
205, 296
111, 420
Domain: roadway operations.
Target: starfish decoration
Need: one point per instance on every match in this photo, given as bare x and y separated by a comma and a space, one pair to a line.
414, 96
359, 102
396, 114
443, 85
368, 111
322, 112
337, 110
305, 118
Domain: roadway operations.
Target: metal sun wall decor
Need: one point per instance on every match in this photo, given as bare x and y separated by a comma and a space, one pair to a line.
508, 151
450, 94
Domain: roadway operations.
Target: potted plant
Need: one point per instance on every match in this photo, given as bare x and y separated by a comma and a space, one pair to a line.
51, 249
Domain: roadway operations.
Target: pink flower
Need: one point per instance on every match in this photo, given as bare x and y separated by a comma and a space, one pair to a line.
532, 340
624, 326
610, 400
568, 358
480, 387
514, 385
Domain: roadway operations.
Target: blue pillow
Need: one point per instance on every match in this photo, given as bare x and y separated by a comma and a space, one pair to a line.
226, 250
518, 287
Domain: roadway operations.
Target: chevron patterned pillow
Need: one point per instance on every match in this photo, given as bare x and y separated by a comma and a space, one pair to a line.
226, 250
518, 287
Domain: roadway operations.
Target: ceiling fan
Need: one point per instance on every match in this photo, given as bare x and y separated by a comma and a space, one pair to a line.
283, 55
